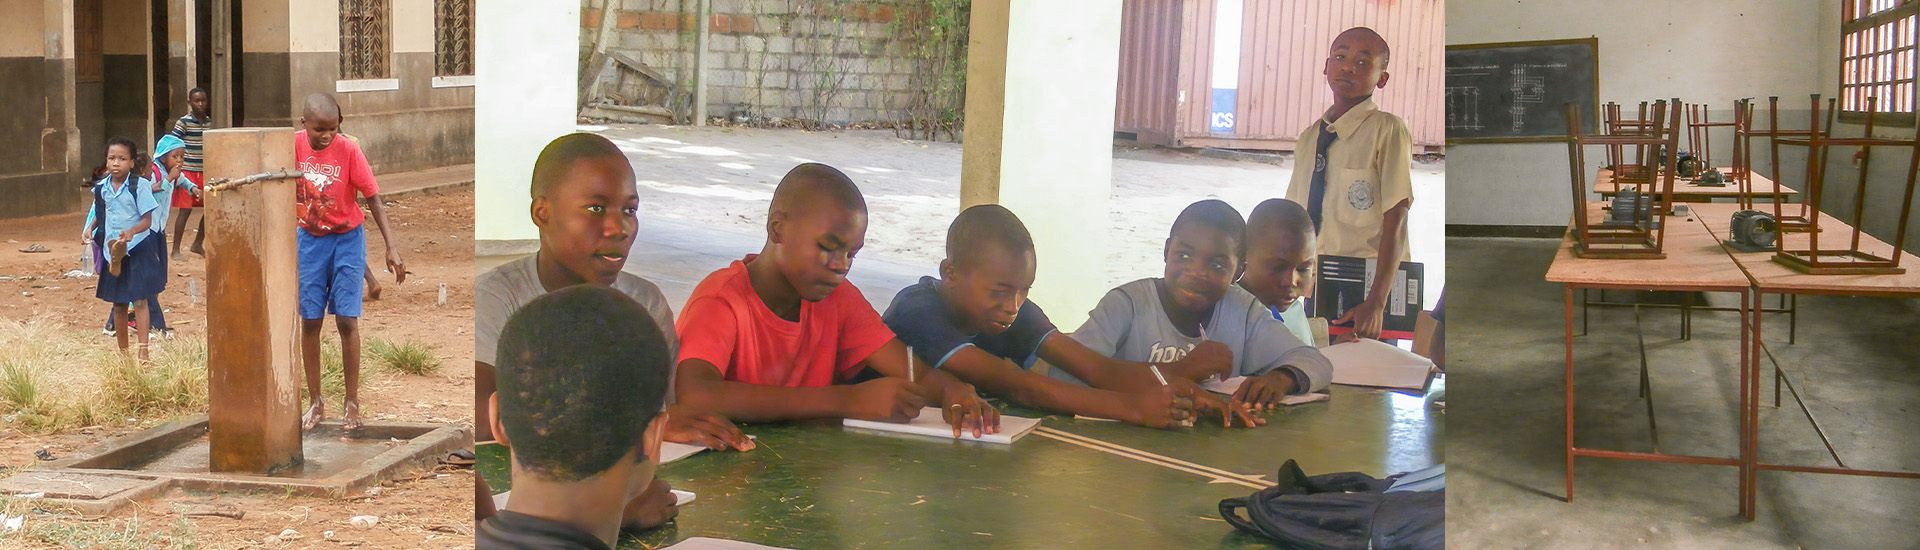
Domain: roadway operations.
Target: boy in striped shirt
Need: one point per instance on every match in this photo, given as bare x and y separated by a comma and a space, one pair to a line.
189, 128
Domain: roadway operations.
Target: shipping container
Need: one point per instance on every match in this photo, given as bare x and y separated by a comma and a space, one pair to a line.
1171, 91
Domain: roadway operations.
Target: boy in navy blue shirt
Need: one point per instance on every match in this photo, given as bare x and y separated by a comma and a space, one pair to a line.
976, 323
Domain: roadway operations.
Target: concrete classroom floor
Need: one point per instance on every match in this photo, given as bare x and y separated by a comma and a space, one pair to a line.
1854, 363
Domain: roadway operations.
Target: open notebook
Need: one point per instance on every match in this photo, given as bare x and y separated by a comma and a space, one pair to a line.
929, 423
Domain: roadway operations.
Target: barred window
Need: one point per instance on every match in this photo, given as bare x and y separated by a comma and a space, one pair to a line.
1877, 59
88, 43
365, 39
452, 37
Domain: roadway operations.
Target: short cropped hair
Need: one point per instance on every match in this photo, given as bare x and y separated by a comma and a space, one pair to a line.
981, 225
1283, 215
1216, 214
582, 371
814, 181
557, 159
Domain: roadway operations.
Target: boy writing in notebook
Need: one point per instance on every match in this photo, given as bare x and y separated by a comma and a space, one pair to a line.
582, 376
778, 335
976, 323
1360, 185
1195, 307
1280, 262
586, 208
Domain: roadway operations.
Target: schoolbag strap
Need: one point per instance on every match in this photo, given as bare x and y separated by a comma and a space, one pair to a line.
99, 214
1227, 512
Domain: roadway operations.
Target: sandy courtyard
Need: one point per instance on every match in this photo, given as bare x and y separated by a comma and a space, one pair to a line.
723, 177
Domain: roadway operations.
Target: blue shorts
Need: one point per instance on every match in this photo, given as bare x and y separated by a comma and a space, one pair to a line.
332, 268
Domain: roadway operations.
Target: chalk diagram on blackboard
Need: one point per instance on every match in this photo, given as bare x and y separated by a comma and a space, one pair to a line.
1526, 89
1463, 102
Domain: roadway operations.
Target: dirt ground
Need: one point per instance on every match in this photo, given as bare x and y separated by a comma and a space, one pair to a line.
724, 177
435, 232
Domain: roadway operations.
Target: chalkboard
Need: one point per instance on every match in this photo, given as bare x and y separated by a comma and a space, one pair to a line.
1518, 91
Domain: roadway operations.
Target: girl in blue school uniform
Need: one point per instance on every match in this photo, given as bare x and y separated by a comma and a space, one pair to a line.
131, 268
167, 176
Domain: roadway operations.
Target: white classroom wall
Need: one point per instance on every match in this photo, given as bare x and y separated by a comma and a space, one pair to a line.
1706, 51
525, 75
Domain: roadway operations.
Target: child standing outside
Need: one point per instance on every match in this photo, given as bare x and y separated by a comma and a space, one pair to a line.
333, 247
190, 129
168, 159
123, 207
1360, 186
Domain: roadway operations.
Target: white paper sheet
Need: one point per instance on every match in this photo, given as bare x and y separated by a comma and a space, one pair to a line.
670, 451
680, 498
1230, 385
704, 543
1378, 364
929, 423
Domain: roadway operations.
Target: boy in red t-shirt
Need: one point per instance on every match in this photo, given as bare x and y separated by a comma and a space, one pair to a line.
333, 247
779, 334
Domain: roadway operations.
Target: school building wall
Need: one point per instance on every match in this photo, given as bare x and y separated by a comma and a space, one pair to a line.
412, 121
834, 62
1701, 52
37, 133
1888, 179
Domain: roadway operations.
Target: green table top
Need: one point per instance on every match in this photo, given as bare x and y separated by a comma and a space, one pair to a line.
816, 485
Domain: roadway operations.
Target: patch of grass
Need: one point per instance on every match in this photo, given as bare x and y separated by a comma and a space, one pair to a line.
408, 356
19, 386
174, 382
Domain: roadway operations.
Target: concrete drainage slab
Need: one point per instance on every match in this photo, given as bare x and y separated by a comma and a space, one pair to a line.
137, 466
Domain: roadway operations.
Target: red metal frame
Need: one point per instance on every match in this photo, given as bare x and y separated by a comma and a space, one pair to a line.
1851, 260
1644, 238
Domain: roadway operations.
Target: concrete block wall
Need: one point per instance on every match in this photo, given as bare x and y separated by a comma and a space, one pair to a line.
833, 61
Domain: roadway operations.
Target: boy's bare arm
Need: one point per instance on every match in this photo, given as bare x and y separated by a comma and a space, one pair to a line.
394, 263
1153, 409
1104, 372
960, 405
701, 387
1366, 317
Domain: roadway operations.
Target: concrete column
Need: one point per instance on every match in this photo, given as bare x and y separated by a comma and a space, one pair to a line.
515, 75
253, 316
1040, 98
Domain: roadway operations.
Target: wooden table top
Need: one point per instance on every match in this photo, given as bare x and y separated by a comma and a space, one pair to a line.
1695, 261
1771, 276
1685, 190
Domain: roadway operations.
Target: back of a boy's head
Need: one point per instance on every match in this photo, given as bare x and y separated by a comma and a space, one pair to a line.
557, 160
581, 372
1281, 216
981, 227
1216, 214
810, 182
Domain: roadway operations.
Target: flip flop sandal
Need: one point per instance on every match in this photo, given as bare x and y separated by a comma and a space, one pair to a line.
36, 247
461, 457
117, 251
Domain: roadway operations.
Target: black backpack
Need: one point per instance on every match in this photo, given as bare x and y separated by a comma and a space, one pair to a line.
1347, 510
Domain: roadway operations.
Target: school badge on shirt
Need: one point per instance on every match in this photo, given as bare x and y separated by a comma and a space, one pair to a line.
1360, 195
